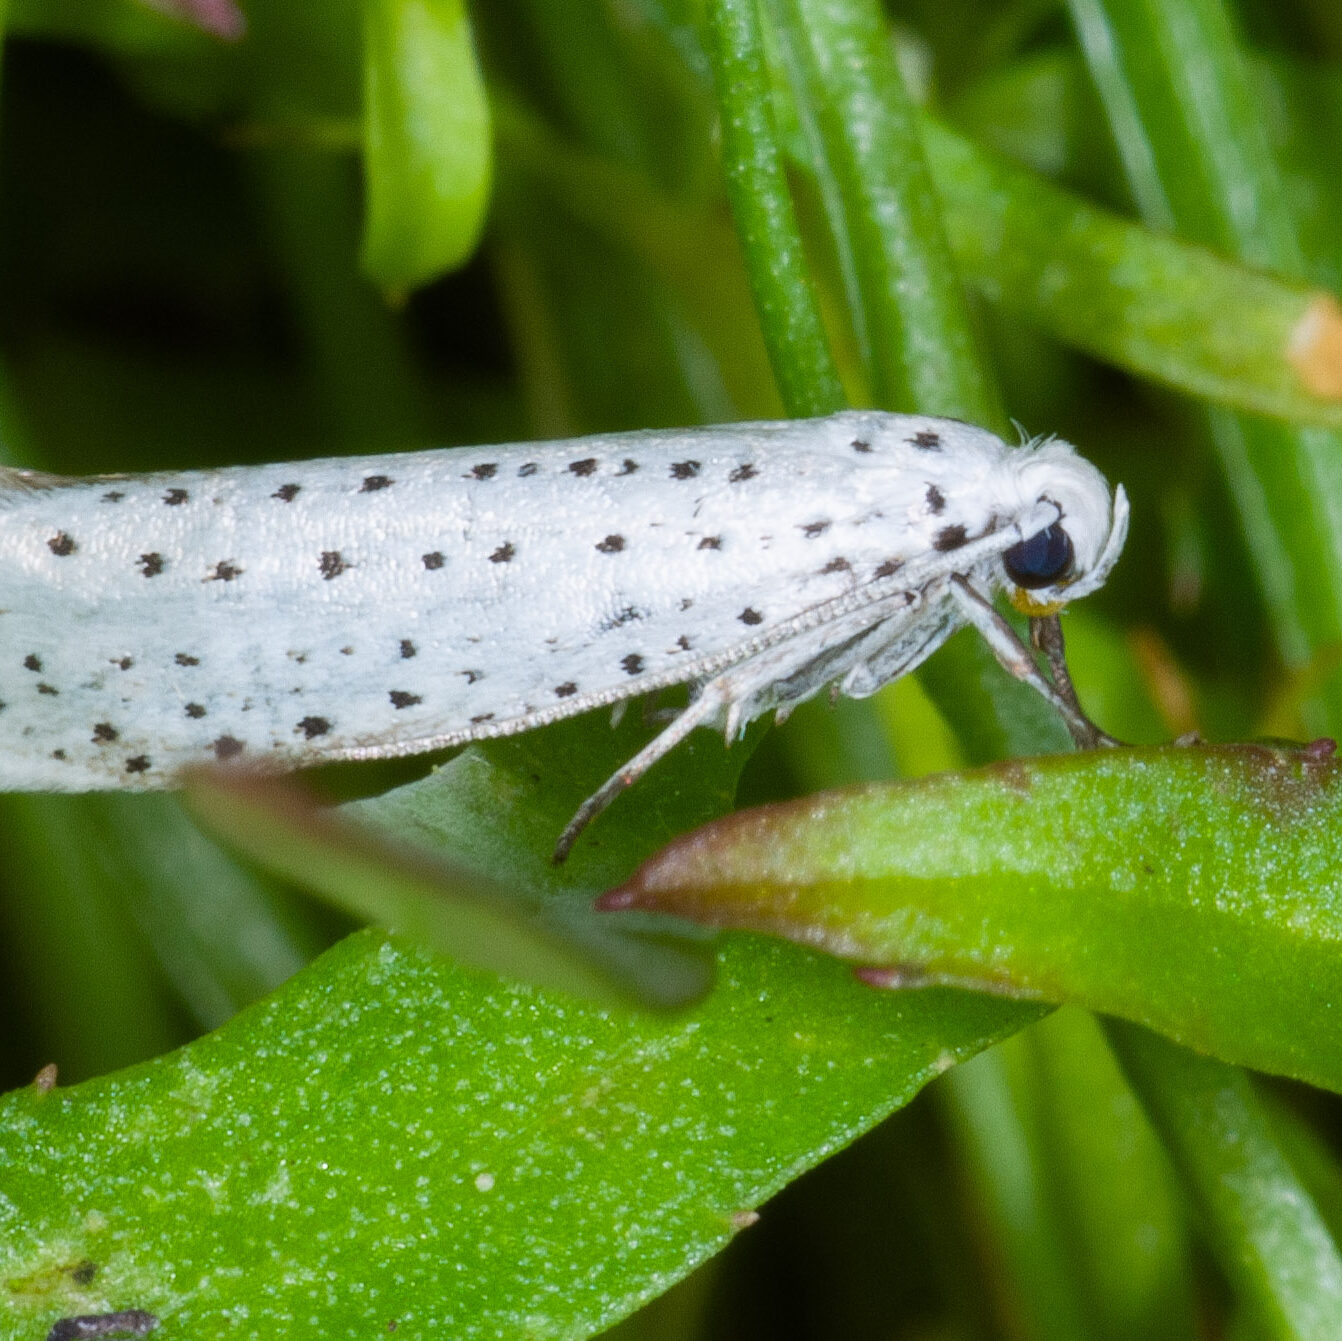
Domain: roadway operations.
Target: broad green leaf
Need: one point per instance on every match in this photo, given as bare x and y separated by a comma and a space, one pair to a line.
426, 141
392, 1141
1194, 890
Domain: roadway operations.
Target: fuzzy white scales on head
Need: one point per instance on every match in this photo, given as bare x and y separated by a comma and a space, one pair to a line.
357, 608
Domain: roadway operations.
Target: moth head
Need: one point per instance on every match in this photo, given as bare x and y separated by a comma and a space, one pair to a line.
1071, 530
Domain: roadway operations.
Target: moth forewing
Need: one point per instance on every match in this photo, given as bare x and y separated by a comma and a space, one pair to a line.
283, 615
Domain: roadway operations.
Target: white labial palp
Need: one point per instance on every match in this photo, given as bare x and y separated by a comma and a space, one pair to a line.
358, 608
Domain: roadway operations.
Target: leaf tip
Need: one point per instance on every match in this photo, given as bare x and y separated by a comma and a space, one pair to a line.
618, 900
1314, 349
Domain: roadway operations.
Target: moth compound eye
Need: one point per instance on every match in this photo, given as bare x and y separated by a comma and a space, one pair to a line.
1041, 559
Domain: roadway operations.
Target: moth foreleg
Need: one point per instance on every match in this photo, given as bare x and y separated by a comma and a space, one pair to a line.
1016, 658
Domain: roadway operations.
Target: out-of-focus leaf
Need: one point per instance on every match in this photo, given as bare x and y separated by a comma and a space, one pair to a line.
426, 141
462, 858
1268, 1234
1194, 890
475, 918
1136, 298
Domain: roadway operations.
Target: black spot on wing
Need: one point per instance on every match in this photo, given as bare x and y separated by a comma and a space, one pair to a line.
472, 675
949, 538
936, 500
504, 553
926, 440
861, 445
150, 565
838, 564
629, 615
612, 544
566, 690
104, 733
684, 470
583, 468
32, 662
332, 564
224, 571
227, 747
174, 498
632, 664
186, 659
62, 545
816, 528
710, 542
138, 763
113, 496
372, 483
750, 616
527, 469
484, 470
433, 561
627, 467
195, 710
123, 663
312, 727
408, 649
748, 471
889, 568
400, 698
286, 493
48, 689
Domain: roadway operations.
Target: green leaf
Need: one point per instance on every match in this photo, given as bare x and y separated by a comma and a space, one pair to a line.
785, 297
1138, 299
904, 293
392, 1140
1191, 128
1074, 1187
426, 141
1261, 1221
1193, 890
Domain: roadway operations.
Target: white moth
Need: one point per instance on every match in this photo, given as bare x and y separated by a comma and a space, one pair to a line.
358, 608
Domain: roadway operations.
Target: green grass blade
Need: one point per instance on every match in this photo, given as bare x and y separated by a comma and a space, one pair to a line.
766, 220
1267, 1233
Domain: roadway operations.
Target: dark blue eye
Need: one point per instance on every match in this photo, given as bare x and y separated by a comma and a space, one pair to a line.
1041, 559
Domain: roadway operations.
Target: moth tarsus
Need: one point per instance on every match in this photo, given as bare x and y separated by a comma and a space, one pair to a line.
282, 616
1046, 636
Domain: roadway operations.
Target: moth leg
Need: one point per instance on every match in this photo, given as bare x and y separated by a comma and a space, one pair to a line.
1046, 637
1015, 657
704, 708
